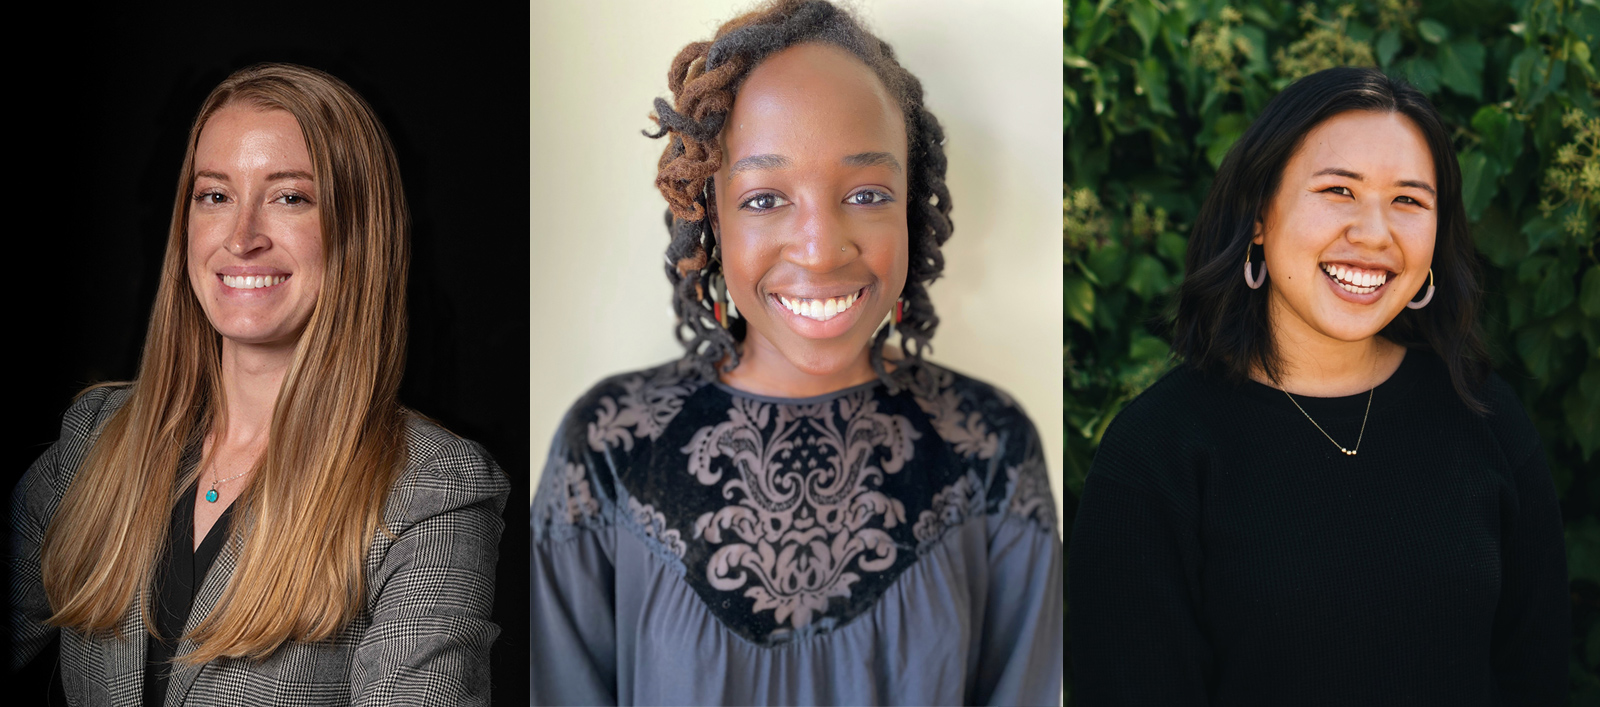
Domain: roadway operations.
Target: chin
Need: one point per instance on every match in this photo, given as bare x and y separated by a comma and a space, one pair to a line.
822, 363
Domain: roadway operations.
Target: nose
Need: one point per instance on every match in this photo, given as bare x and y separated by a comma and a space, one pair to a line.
1370, 226
823, 240
247, 237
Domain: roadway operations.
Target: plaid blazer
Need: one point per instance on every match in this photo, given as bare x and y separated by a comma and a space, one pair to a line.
422, 637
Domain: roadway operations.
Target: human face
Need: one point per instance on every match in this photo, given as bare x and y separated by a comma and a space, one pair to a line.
1349, 235
254, 233
811, 208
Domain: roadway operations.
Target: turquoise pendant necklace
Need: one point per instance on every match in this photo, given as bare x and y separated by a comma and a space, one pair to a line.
211, 495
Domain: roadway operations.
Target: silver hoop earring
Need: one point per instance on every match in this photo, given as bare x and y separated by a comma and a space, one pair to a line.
1425, 298
1252, 281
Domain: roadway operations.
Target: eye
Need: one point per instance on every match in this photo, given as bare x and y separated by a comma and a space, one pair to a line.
1342, 191
869, 197
210, 197
1409, 200
294, 199
763, 202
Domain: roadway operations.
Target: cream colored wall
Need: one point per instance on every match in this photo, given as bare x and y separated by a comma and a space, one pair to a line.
991, 72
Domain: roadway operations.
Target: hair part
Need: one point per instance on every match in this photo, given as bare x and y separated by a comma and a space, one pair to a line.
315, 498
704, 80
1222, 326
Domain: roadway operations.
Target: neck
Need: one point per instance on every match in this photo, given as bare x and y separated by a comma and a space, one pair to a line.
1313, 364
763, 370
251, 378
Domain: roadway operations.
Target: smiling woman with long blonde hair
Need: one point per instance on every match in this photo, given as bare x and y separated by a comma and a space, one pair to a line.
256, 518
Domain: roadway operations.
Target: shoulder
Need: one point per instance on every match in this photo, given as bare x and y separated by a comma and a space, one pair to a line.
92, 408
1164, 428
598, 437
444, 471
984, 426
626, 406
1508, 420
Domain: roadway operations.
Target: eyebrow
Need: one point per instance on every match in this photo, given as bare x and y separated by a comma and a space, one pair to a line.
767, 161
873, 159
1357, 176
772, 161
275, 176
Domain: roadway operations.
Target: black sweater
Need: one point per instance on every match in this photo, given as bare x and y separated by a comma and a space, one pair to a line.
1226, 553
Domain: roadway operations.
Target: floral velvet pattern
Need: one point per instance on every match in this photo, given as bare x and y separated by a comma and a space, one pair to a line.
790, 517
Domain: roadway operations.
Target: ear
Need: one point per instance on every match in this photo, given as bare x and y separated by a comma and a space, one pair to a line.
1261, 234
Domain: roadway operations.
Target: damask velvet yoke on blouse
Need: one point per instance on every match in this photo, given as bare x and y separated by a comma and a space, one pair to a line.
695, 544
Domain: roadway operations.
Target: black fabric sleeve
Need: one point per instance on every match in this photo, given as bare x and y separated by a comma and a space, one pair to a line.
1133, 577
1533, 621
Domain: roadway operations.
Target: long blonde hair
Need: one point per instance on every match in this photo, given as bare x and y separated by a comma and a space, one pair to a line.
315, 498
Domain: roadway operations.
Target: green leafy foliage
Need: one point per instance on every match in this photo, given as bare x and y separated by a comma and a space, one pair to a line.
1156, 93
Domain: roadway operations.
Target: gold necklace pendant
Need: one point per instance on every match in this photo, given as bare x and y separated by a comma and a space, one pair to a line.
1364, 416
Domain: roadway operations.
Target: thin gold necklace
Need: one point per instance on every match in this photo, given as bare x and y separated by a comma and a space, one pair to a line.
1348, 452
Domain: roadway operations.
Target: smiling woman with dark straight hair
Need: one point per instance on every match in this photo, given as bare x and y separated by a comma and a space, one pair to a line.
794, 512
1331, 499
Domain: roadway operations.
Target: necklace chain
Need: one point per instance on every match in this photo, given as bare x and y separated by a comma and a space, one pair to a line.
1349, 452
215, 481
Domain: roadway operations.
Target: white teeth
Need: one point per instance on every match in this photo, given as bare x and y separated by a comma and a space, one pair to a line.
248, 282
1360, 282
820, 310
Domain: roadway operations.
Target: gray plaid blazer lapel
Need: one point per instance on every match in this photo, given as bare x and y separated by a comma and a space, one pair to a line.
216, 581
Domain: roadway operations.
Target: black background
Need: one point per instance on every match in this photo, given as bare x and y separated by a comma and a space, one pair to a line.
99, 107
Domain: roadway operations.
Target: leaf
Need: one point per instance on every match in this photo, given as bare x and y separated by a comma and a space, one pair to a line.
1388, 44
1152, 77
1147, 348
1554, 291
1501, 133
1174, 247
1497, 237
1582, 410
1420, 72
1079, 300
1534, 346
1478, 185
1108, 263
1145, 19
1541, 231
1461, 67
1226, 130
1589, 300
1433, 31
1147, 278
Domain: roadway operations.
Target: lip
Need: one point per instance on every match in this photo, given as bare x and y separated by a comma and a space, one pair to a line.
1352, 297
811, 328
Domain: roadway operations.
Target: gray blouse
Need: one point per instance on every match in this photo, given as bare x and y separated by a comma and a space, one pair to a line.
695, 544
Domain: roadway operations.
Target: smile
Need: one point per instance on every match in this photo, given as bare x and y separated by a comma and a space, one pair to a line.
1356, 281
255, 282
819, 309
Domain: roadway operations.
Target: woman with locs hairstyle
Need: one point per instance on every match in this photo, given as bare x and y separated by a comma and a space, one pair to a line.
256, 519
794, 513
1331, 500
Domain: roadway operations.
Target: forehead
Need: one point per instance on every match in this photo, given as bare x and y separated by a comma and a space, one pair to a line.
813, 100
1368, 143
245, 136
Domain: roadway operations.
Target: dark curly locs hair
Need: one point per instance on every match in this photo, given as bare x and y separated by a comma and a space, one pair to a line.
704, 78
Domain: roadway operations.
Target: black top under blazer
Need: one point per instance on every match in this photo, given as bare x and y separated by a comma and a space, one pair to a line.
422, 636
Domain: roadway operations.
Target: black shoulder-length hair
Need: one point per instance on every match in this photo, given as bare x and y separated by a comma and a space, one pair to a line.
1221, 325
